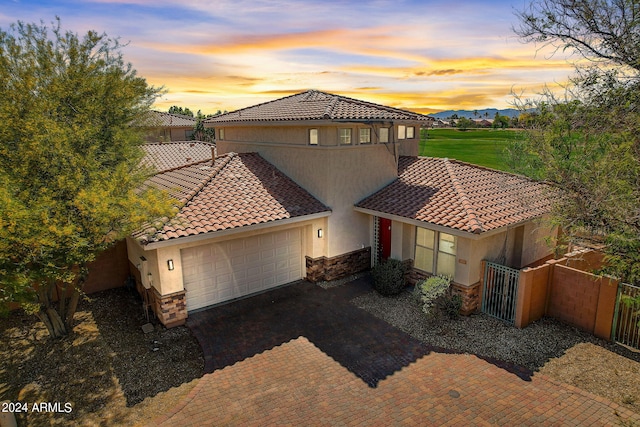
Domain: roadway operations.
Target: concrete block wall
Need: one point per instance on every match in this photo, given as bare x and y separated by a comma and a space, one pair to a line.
576, 297
109, 270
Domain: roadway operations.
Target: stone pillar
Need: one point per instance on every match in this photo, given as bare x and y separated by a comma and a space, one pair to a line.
470, 296
171, 309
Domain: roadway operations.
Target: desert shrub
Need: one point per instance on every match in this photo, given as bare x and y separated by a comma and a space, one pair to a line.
430, 290
388, 277
450, 305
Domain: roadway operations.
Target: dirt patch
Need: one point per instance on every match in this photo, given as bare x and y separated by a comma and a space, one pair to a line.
599, 371
104, 368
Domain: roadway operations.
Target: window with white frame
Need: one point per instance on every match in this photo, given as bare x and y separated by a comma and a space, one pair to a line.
384, 135
435, 252
313, 136
220, 133
365, 136
411, 132
402, 132
345, 136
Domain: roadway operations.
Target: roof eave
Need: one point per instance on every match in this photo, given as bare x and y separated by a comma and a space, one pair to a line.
232, 231
476, 234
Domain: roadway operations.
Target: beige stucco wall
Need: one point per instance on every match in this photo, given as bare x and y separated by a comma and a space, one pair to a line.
328, 134
134, 253
537, 243
167, 282
166, 134
338, 176
471, 251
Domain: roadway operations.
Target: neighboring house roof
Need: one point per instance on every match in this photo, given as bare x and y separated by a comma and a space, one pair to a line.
169, 155
233, 191
316, 105
161, 119
459, 195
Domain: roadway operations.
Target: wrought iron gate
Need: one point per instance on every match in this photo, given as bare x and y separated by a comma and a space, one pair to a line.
499, 296
626, 321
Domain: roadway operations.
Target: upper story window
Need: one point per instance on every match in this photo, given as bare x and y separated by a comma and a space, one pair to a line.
345, 136
365, 136
435, 252
411, 132
402, 132
188, 134
384, 135
313, 136
220, 133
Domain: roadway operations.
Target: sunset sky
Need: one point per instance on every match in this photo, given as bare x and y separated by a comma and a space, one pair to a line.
421, 55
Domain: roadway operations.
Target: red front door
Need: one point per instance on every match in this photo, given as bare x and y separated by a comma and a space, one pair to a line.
384, 231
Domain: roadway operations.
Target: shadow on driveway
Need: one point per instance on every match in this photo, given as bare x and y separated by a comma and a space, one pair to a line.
365, 345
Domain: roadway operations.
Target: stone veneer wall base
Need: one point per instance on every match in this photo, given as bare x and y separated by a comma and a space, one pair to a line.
323, 268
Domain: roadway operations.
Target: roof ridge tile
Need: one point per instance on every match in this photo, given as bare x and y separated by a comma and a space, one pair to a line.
182, 166
328, 112
474, 222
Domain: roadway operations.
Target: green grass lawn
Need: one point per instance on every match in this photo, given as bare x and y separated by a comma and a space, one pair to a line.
479, 146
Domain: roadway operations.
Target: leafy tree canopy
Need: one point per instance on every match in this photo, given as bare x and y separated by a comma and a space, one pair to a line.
70, 176
587, 141
174, 109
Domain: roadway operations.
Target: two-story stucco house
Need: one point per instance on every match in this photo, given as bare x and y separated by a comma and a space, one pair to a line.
166, 127
319, 186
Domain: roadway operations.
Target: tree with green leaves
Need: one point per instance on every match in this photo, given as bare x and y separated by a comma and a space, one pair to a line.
70, 152
500, 122
174, 109
200, 132
464, 123
586, 141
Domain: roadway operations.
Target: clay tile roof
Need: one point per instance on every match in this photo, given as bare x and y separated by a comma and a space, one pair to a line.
162, 156
459, 195
316, 105
161, 119
233, 191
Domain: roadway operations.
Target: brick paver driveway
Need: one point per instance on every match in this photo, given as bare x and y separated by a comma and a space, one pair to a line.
304, 356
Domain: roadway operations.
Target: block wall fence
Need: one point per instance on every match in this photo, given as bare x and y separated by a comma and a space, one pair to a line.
562, 290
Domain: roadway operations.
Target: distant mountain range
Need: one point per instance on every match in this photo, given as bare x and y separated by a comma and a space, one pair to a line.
480, 114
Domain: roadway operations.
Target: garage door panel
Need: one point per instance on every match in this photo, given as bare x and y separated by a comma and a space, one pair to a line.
252, 244
267, 254
268, 267
238, 260
218, 272
266, 240
253, 258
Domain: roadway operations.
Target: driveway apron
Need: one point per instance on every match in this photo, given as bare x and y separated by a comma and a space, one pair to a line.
365, 345
302, 355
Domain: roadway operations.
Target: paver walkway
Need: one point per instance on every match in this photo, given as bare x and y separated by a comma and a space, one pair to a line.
297, 384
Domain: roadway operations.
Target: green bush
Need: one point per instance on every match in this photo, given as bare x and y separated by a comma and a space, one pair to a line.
430, 290
388, 277
450, 305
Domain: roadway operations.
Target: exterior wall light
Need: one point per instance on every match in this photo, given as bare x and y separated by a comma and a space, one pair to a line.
170, 265
320, 233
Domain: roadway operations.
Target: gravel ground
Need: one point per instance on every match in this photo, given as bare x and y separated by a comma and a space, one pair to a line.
103, 369
547, 346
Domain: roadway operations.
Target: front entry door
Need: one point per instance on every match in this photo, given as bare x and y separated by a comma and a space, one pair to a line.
384, 231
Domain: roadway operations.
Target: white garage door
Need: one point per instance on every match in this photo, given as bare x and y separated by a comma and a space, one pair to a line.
219, 272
